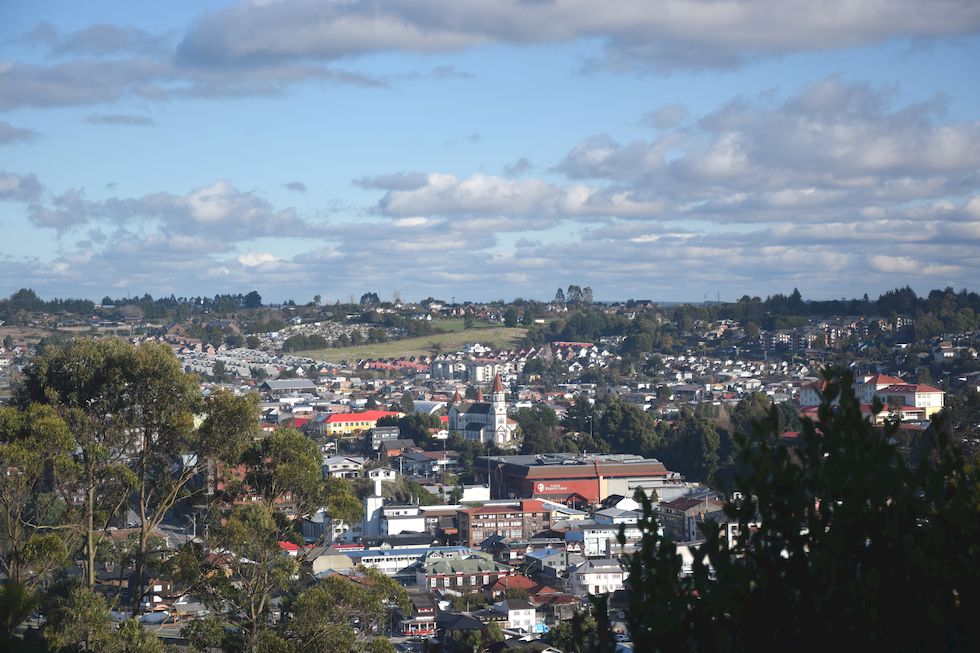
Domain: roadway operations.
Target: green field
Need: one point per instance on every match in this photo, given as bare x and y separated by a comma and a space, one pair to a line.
497, 337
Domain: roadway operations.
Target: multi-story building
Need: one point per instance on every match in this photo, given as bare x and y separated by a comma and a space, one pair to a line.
601, 540
461, 574
913, 400
596, 577
512, 520
680, 517
340, 424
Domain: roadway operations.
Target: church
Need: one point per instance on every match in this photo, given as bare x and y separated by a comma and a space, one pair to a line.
483, 421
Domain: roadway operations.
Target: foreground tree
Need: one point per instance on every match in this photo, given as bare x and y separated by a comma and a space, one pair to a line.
78, 619
840, 540
324, 617
131, 410
35, 449
241, 580
85, 382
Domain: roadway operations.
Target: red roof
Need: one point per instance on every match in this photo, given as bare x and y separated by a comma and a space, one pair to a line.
366, 416
517, 582
884, 379
498, 385
289, 546
910, 387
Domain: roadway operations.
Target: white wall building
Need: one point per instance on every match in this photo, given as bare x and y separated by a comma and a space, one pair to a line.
595, 577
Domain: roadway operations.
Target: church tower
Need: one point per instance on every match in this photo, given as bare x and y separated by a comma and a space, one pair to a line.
501, 433
373, 506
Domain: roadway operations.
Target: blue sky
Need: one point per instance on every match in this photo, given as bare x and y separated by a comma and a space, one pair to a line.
489, 149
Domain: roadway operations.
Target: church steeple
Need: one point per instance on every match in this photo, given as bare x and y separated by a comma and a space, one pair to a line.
498, 385
499, 407
479, 394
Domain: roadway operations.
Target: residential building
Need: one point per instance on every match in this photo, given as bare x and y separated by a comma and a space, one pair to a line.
513, 520
342, 466
680, 517
458, 573
420, 619
596, 577
520, 614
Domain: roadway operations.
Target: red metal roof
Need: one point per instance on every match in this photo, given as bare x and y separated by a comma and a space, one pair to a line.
366, 416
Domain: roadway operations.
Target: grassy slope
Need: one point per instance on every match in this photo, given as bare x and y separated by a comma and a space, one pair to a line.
497, 337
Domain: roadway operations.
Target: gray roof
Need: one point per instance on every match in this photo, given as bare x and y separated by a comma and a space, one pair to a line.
514, 604
290, 384
471, 565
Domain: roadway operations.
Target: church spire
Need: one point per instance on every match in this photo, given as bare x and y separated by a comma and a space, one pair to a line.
456, 397
479, 394
498, 385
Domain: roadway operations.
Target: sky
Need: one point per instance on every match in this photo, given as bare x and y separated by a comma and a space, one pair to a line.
489, 149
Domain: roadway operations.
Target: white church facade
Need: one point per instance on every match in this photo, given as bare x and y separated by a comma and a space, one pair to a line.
483, 421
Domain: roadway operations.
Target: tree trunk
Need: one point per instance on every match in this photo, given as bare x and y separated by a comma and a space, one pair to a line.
90, 537
136, 592
139, 563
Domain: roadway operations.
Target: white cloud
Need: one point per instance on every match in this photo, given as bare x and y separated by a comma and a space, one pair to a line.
635, 32
252, 259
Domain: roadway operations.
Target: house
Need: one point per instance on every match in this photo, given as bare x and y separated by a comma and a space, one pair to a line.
420, 619
556, 606
342, 466
595, 577
396, 519
397, 446
382, 474
508, 584
428, 463
600, 540
520, 614
551, 564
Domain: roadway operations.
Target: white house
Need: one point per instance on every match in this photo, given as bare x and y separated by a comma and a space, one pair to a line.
342, 466
520, 614
397, 519
382, 474
596, 577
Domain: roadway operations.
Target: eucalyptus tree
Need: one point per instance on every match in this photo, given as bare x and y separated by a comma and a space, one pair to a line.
133, 412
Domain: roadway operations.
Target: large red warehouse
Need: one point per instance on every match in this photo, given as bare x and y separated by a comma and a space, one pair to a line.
576, 479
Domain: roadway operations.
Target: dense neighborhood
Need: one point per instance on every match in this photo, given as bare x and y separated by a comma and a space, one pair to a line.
481, 498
